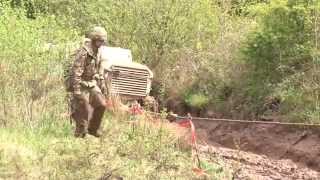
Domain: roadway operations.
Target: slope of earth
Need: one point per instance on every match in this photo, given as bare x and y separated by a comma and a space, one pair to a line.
298, 144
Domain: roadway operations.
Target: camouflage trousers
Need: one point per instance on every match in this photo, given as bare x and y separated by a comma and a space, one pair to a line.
87, 112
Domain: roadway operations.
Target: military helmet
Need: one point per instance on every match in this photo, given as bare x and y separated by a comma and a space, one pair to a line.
98, 33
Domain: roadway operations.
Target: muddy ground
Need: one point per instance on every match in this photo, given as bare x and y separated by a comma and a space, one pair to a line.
250, 166
280, 152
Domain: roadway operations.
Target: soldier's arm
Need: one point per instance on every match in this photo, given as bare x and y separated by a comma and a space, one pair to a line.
77, 71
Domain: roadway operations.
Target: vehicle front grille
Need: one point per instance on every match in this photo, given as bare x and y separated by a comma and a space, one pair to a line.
129, 81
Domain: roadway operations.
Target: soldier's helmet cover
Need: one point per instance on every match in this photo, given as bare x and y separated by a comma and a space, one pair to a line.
98, 33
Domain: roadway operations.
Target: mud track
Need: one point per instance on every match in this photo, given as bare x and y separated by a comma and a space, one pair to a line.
300, 145
250, 166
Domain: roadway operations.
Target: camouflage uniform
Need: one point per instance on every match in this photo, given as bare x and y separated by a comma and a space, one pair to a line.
88, 101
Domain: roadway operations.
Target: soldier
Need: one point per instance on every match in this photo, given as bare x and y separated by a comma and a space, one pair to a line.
88, 100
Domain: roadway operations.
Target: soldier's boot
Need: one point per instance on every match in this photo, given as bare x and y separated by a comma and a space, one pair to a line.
80, 132
95, 121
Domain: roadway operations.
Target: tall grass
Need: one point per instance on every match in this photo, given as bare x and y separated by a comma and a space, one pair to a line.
148, 151
31, 62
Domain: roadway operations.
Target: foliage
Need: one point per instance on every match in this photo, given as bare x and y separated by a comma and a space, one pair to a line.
197, 100
279, 54
32, 52
36, 137
232, 55
49, 151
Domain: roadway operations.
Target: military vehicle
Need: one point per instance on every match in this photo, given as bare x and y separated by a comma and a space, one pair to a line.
124, 78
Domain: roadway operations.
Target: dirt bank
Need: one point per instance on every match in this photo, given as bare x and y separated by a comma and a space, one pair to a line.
299, 144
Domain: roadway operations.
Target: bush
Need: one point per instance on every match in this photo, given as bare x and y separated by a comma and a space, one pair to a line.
197, 100
32, 52
279, 54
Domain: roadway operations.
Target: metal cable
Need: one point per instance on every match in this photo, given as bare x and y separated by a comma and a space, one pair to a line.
243, 121
254, 122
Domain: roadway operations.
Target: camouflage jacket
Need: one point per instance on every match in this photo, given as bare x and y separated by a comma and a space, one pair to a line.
85, 68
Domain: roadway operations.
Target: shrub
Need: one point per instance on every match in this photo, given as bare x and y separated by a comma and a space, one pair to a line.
279, 54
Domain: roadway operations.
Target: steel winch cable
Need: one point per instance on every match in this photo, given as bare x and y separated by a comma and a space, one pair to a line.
257, 122
241, 121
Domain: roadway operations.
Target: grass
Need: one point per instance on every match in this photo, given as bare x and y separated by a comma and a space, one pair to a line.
49, 151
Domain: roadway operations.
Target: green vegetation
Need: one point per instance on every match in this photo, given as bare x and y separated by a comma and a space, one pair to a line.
49, 151
282, 56
240, 55
241, 59
197, 100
